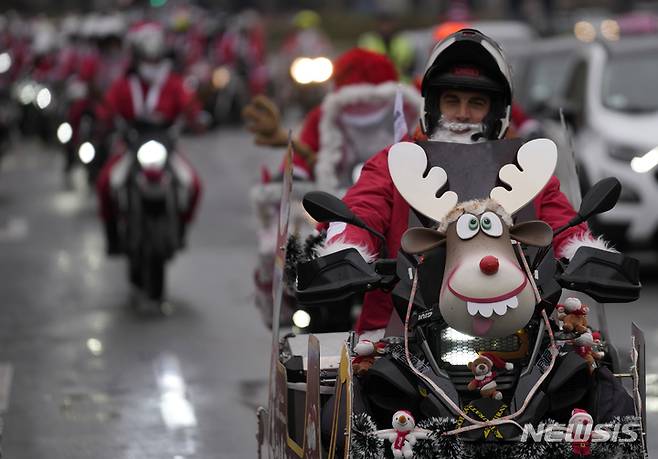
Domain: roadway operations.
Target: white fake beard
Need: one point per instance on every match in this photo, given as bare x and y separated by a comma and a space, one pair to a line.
450, 131
153, 72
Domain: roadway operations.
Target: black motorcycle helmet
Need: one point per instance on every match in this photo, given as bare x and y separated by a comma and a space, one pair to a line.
468, 60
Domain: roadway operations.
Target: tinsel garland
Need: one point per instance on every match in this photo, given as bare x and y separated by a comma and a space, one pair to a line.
296, 254
366, 445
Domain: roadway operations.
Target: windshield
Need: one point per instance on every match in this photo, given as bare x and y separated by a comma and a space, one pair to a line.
630, 84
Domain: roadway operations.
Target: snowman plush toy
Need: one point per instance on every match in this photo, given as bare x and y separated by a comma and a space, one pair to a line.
404, 434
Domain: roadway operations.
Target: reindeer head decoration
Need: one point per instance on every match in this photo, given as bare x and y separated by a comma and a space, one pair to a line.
485, 291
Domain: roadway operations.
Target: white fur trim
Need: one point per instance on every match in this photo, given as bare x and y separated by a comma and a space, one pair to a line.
373, 335
584, 240
340, 244
331, 137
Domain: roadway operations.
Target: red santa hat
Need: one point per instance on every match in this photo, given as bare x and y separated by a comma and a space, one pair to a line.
580, 416
360, 66
496, 361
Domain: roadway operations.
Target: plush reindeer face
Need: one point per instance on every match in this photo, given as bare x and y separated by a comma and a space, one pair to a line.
485, 291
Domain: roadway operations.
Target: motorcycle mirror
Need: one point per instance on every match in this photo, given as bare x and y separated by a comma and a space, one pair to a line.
600, 198
325, 207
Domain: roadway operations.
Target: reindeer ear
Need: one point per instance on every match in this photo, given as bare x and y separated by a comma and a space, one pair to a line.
535, 233
420, 240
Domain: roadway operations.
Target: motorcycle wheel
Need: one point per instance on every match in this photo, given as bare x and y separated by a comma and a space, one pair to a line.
153, 277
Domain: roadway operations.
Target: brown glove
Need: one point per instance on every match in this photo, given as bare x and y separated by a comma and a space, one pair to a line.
262, 117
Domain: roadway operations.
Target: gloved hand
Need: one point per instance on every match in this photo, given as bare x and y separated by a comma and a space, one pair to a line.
262, 117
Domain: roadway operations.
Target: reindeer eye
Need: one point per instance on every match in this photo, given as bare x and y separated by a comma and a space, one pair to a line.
467, 226
491, 224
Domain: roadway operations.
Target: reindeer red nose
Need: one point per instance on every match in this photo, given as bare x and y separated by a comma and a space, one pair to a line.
489, 265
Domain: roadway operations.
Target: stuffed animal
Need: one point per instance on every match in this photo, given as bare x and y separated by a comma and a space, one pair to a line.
580, 427
573, 314
404, 434
585, 347
484, 376
366, 352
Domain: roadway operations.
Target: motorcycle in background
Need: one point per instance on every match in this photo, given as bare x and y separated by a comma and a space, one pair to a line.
150, 202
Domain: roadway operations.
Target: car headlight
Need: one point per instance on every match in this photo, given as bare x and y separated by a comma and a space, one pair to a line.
64, 133
5, 62
646, 162
86, 153
221, 77
305, 70
152, 155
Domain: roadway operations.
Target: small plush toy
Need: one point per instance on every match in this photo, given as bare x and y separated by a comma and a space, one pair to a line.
585, 347
573, 314
581, 433
484, 376
404, 434
366, 352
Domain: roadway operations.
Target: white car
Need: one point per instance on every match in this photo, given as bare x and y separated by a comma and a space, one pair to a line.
612, 97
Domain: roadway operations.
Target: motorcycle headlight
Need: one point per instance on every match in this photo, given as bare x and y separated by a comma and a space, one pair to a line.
27, 92
86, 153
44, 98
152, 155
305, 70
221, 77
301, 319
5, 62
64, 133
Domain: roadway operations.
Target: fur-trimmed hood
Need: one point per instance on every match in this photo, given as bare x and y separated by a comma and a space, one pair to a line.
332, 139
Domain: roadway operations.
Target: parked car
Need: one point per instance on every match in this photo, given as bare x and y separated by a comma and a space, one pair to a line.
611, 97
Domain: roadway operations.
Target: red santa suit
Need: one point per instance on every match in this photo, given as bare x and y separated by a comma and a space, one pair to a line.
376, 201
164, 100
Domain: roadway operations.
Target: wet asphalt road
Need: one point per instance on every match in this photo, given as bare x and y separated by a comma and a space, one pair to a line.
82, 376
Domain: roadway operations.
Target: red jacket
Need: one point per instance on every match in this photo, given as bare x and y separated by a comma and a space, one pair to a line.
172, 100
377, 202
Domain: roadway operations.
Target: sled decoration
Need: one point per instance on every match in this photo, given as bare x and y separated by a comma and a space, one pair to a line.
342, 406
274, 435
639, 377
488, 292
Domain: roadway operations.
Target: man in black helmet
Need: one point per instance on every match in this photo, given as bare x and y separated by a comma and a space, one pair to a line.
468, 95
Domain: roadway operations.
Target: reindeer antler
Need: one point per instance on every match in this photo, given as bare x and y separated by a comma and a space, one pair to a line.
407, 163
537, 159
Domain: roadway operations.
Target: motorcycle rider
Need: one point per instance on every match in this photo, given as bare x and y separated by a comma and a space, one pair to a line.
467, 94
356, 66
149, 91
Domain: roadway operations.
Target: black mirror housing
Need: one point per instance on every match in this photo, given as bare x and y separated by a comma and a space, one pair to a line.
600, 198
325, 207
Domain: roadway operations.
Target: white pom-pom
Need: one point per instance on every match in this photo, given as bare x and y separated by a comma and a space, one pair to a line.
509, 366
572, 304
364, 348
